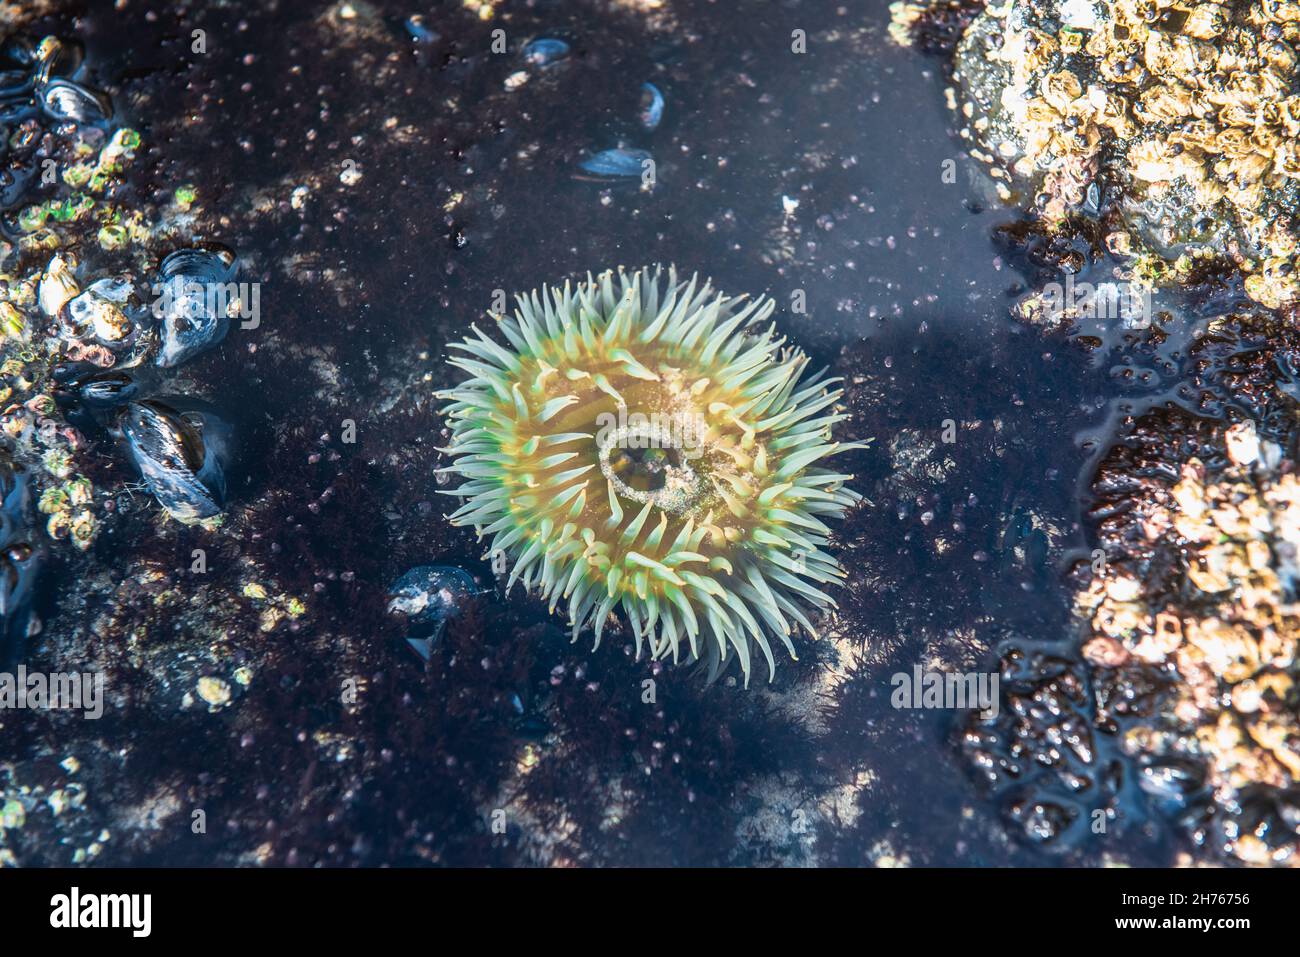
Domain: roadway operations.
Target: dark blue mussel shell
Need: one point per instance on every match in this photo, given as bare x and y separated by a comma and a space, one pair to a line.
545, 51
193, 287
429, 595
89, 395
69, 101
616, 163
182, 456
84, 383
19, 562
39, 78
651, 113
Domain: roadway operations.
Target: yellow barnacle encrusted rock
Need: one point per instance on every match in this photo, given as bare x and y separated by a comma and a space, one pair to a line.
642, 446
1191, 109
1224, 632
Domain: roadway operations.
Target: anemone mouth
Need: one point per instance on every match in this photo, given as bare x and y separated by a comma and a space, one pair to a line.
650, 463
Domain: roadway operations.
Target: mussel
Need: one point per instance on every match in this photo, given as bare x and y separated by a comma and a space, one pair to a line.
69, 101
195, 290
545, 51
429, 595
1173, 782
89, 395
53, 58
616, 163
17, 52
19, 562
15, 82
651, 113
15, 181
181, 456
14, 109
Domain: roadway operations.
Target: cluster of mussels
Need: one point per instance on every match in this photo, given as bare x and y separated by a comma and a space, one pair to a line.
1176, 119
89, 318
177, 444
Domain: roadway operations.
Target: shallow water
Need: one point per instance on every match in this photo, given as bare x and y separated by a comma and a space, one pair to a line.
821, 172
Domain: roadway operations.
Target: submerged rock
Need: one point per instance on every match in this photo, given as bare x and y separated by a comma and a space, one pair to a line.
1197, 595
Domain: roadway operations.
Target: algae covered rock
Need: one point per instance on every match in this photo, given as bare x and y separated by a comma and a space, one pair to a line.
1178, 117
1197, 597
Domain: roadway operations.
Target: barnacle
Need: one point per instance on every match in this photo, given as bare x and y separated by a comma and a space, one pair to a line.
1224, 631
643, 447
1189, 107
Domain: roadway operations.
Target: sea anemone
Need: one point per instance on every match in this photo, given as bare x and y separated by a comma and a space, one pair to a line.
648, 449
